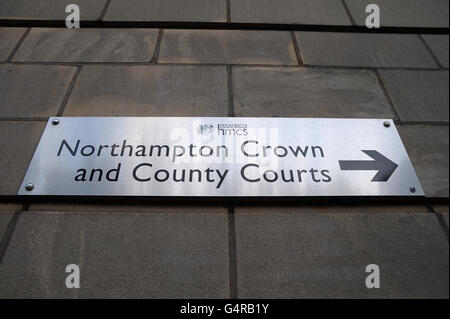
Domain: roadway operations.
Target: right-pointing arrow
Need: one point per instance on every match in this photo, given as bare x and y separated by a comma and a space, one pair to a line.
382, 164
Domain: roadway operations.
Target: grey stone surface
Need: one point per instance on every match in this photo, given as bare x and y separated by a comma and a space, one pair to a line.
441, 208
17, 145
227, 46
325, 255
149, 91
428, 149
403, 13
119, 255
335, 208
131, 207
163, 10
443, 211
320, 12
5, 218
49, 9
88, 45
439, 45
33, 90
362, 49
9, 37
306, 92
418, 95
10, 206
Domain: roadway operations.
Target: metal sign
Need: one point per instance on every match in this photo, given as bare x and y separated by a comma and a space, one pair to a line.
182, 156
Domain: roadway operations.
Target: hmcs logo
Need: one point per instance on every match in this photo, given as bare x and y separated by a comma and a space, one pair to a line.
232, 129
223, 129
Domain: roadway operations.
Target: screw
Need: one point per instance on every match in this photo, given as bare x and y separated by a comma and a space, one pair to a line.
387, 124
412, 189
29, 186
55, 121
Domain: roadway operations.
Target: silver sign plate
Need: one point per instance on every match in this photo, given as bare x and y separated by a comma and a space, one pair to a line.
213, 156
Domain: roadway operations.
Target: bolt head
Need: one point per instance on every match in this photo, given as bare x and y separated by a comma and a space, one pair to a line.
412, 189
55, 121
29, 186
387, 124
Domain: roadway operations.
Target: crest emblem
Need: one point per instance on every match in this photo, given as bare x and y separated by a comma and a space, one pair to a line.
205, 129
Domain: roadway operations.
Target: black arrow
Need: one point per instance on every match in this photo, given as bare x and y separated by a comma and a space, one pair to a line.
382, 164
